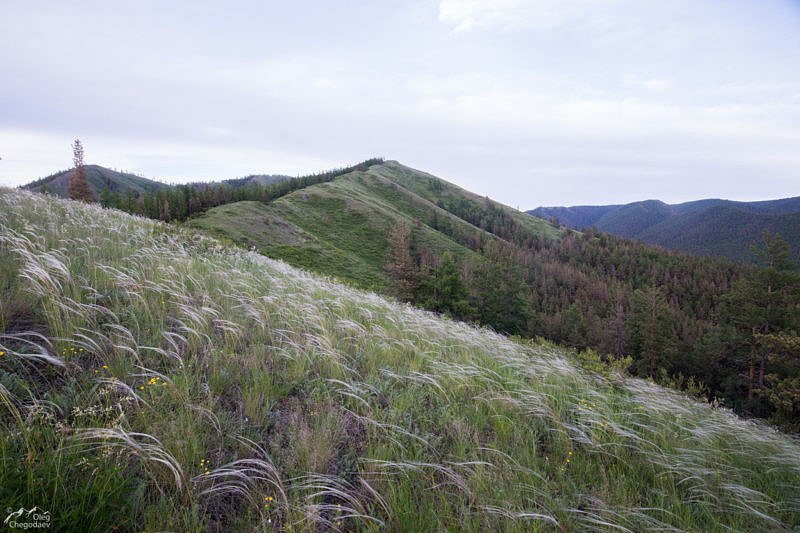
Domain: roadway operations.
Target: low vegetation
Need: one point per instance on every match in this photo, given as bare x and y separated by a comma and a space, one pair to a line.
153, 379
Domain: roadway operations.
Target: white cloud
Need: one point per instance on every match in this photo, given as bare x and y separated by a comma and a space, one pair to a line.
465, 15
650, 84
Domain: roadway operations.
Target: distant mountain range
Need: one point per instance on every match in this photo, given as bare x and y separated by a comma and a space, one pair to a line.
119, 182
714, 227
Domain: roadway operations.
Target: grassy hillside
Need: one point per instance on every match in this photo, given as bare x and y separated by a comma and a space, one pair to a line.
340, 228
451, 197
713, 227
98, 177
153, 379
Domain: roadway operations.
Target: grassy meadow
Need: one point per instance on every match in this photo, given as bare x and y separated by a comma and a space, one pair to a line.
154, 379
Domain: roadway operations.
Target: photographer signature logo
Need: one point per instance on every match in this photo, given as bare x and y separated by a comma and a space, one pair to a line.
34, 518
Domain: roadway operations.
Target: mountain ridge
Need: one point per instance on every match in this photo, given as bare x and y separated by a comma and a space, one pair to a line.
119, 182
713, 226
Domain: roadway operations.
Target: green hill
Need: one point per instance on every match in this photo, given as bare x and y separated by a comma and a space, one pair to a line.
153, 379
99, 178
340, 228
713, 227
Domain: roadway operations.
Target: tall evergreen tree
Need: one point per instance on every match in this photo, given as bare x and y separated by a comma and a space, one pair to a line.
105, 197
782, 388
651, 330
129, 202
447, 292
502, 293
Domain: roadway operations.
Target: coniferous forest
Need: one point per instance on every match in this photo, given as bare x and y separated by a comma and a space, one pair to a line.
719, 329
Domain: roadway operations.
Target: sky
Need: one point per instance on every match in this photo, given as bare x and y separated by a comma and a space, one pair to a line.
529, 102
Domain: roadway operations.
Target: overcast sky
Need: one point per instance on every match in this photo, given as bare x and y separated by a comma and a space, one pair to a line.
537, 102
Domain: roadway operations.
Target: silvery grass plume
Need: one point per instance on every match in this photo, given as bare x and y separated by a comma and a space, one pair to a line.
180, 373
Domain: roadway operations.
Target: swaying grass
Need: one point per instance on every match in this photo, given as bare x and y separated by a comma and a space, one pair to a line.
152, 379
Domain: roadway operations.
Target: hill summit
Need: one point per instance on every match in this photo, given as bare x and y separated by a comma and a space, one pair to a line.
99, 178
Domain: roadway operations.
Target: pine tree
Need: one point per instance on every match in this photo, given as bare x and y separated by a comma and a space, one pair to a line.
783, 383
617, 327
502, 293
129, 203
79, 188
447, 292
105, 197
651, 330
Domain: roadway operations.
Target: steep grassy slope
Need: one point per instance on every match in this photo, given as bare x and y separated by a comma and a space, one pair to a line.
340, 228
450, 197
715, 227
98, 177
152, 379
